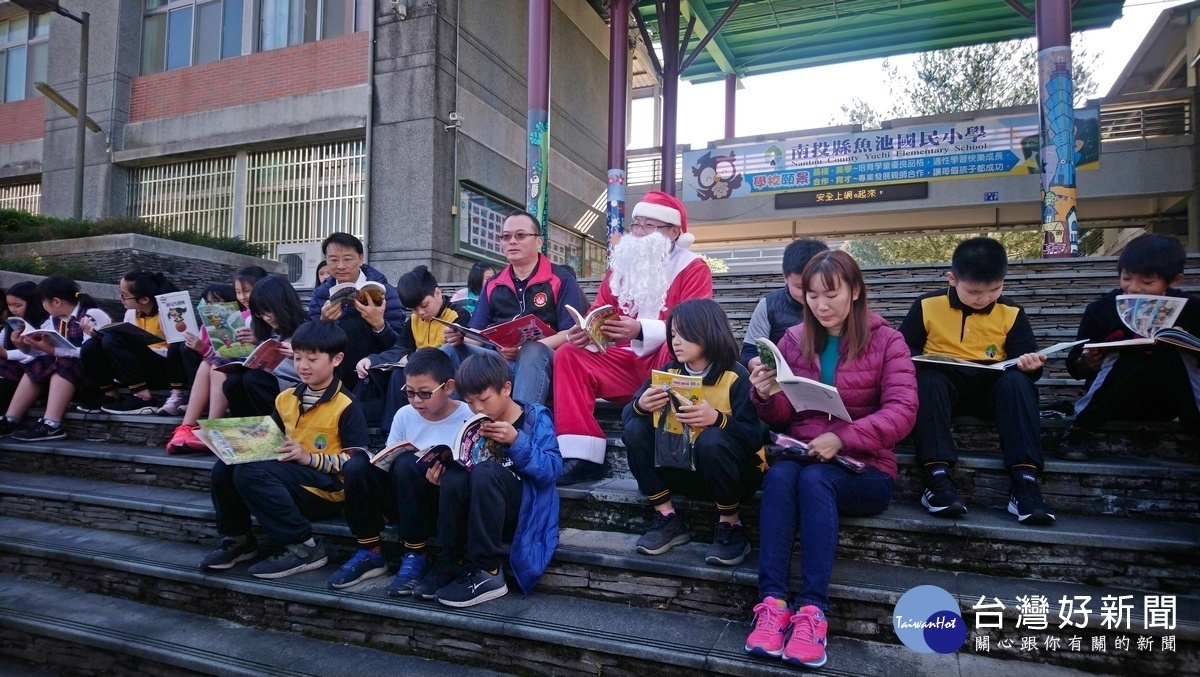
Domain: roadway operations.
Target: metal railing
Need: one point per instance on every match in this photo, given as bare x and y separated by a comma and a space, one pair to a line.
195, 196
26, 197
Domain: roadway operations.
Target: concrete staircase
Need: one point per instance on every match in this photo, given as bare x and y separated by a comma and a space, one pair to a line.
101, 534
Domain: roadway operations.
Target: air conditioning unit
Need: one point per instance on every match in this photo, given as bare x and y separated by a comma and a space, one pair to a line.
301, 260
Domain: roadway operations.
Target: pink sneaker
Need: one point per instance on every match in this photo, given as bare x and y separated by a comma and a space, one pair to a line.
806, 646
771, 617
184, 441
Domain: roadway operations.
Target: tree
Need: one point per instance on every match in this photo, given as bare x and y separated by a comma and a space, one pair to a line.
1020, 244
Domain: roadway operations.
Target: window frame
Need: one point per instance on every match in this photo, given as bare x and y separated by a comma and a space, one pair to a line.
28, 41
353, 16
165, 9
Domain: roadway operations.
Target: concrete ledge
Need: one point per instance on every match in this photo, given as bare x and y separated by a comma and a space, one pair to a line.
137, 243
97, 290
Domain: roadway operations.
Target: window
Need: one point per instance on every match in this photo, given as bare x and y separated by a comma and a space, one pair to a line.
182, 33
194, 196
22, 196
24, 42
291, 22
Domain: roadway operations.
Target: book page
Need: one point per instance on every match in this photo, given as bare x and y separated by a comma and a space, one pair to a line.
221, 321
243, 440
934, 358
1147, 315
809, 395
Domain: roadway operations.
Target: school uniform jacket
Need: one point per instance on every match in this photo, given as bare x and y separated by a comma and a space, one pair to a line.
418, 333
335, 423
537, 460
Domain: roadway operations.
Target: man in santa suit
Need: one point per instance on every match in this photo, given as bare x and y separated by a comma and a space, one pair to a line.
650, 272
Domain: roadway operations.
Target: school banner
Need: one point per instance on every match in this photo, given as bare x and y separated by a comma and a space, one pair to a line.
932, 152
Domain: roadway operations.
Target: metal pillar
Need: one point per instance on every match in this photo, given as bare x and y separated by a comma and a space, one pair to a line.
81, 118
1060, 222
668, 38
618, 97
537, 122
730, 104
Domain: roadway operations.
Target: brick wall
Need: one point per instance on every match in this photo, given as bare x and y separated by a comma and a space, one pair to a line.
300, 69
23, 120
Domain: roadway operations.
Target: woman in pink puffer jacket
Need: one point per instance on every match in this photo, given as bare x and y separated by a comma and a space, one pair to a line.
840, 343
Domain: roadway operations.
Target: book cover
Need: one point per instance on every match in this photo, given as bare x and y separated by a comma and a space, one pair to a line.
221, 321
803, 393
470, 446
686, 389
518, 330
15, 324
176, 317
367, 292
266, 356
593, 325
242, 440
468, 332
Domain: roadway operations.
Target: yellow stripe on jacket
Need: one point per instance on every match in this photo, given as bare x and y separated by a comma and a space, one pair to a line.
717, 396
317, 431
977, 336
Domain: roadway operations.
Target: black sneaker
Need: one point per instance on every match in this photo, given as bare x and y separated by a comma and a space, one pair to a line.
40, 431
442, 573
97, 406
132, 404
665, 533
473, 587
295, 558
730, 545
1026, 501
229, 553
1074, 444
941, 496
8, 427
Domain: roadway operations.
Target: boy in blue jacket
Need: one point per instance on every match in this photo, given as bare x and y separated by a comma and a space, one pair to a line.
514, 496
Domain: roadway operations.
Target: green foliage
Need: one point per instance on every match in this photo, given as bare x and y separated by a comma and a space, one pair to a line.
17, 227
715, 265
1020, 244
36, 265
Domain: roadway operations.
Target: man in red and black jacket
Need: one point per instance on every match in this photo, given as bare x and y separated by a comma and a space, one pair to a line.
529, 285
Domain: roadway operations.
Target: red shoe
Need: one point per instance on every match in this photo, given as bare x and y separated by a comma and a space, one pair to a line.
771, 618
806, 646
184, 440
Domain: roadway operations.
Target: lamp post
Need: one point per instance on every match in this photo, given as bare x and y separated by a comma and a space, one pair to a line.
37, 7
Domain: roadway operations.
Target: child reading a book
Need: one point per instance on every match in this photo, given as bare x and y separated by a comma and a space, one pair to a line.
783, 308
1139, 383
54, 369
843, 344
511, 495
726, 449
276, 313
320, 420
401, 494
467, 297
24, 304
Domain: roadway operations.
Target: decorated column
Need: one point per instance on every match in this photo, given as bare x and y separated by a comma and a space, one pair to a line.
618, 87
1060, 222
537, 122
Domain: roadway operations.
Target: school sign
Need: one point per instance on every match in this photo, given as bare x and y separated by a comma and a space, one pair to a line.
931, 152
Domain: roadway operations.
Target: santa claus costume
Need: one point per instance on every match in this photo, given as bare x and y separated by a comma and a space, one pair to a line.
645, 280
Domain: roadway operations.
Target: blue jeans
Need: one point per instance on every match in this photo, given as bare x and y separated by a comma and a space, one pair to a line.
812, 495
530, 371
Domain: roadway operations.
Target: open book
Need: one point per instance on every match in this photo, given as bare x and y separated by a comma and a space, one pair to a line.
805, 394
391, 366
519, 330
56, 339
593, 324
935, 358
685, 388
133, 331
267, 356
469, 449
242, 440
175, 316
221, 322
1153, 319
16, 324
368, 292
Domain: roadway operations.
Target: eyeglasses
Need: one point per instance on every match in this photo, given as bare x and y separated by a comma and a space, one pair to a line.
644, 227
346, 260
519, 236
126, 297
410, 393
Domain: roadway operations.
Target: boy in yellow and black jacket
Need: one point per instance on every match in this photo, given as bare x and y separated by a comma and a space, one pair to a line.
320, 420
972, 321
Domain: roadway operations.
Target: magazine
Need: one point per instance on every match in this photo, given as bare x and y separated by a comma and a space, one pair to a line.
593, 325
367, 292
509, 334
131, 330
685, 388
1153, 319
175, 316
267, 356
805, 394
242, 440
935, 358
470, 448
221, 321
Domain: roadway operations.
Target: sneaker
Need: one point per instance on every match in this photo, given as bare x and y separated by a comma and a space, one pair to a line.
132, 404
473, 587
229, 553
362, 566
412, 569
442, 573
8, 427
665, 533
97, 406
806, 646
295, 558
941, 496
1074, 444
184, 440
730, 545
40, 431
771, 619
174, 406
1025, 501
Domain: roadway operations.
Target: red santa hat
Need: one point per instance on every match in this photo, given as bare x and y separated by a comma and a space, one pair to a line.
666, 208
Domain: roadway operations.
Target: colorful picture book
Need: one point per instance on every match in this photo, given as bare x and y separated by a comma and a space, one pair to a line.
176, 317
509, 334
368, 292
593, 325
934, 358
242, 440
1153, 319
221, 321
469, 449
805, 394
266, 356
684, 388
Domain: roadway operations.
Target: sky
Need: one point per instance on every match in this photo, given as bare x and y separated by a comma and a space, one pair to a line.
762, 105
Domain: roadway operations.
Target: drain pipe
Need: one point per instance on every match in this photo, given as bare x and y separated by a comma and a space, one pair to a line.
370, 123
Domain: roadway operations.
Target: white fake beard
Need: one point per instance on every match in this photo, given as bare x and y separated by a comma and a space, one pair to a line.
639, 278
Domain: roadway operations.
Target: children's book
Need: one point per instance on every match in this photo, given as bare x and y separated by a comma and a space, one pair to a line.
221, 321
15, 324
175, 316
391, 366
684, 388
384, 458
266, 356
56, 339
935, 358
367, 292
509, 334
1153, 319
473, 334
242, 440
805, 394
470, 446
131, 330
593, 325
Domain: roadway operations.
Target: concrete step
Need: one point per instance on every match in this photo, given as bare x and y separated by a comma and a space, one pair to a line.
540, 634
64, 627
1104, 551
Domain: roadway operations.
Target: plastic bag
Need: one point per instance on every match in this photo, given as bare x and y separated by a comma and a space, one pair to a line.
673, 450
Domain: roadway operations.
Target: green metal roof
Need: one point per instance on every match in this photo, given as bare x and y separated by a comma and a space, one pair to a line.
768, 36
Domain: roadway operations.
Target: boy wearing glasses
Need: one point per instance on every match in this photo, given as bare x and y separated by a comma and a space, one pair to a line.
402, 495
